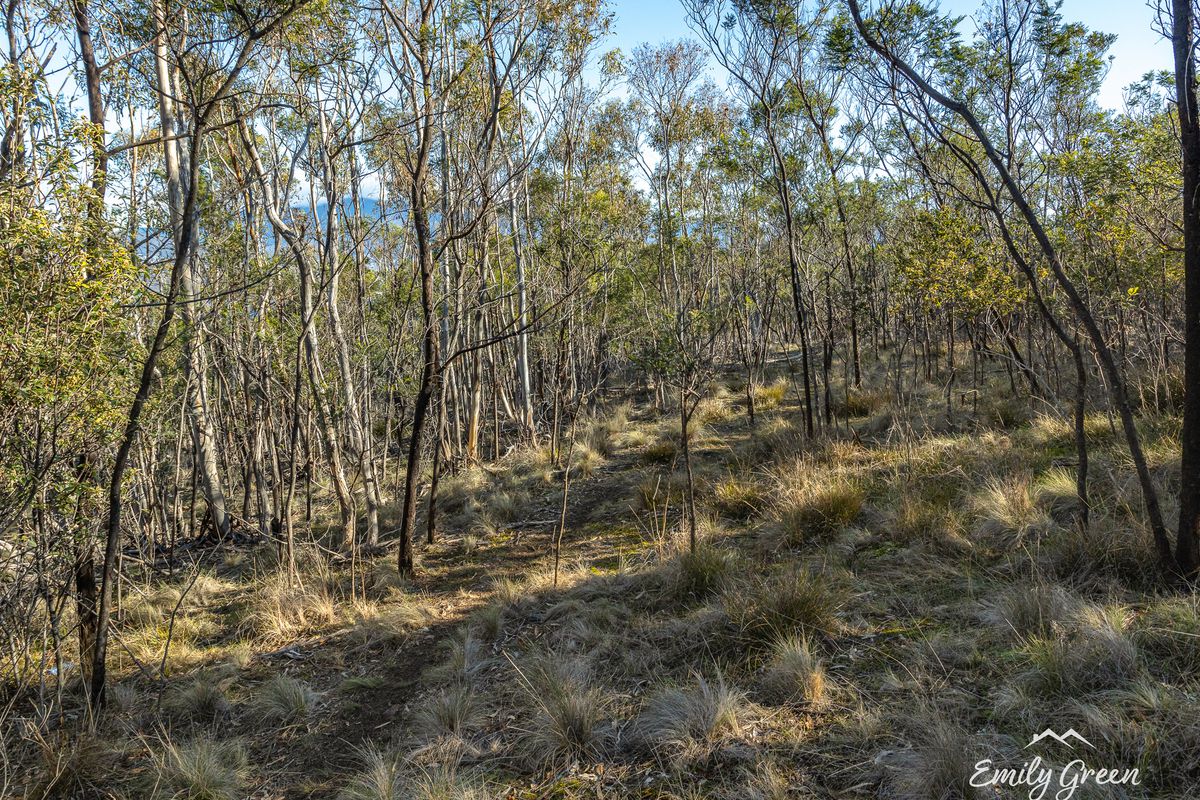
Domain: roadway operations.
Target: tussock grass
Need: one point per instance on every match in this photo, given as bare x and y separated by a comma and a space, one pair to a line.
700, 714
284, 700
1168, 632
700, 573
376, 624
201, 769
795, 674
769, 396
280, 612
382, 776
1031, 608
202, 699
1099, 655
939, 765
812, 507
568, 709
467, 658
861, 402
738, 498
1008, 513
771, 607
662, 451
453, 712
69, 764
379, 777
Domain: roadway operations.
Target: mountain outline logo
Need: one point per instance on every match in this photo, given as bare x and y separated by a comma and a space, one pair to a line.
1062, 738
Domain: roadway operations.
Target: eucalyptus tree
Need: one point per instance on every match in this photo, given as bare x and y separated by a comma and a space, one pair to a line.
1183, 40
758, 44
515, 47
974, 146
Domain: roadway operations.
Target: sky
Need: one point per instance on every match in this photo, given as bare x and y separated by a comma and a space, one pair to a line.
1138, 49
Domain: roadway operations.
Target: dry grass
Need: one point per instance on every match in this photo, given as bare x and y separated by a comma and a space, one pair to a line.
771, 607
201, 769
203, 699
284, 700
738, 498
812, 507
1008, 513
1032, 608
700, 714
795, 674
700, 573
568, 710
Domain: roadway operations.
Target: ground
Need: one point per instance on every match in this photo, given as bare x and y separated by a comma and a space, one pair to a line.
869, 613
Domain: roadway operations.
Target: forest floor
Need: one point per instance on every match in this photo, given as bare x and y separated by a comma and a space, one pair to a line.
870, 612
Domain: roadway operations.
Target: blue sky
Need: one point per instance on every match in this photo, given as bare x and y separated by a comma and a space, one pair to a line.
1138, 48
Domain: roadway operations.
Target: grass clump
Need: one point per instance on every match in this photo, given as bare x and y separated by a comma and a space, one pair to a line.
662, 451
701, 572
201, 769
939, 765
1168, 632
768, 396
770, 608
813, 510
285, 700
1098, 656
1008, 512
700, 714
794, 673
1029, 609
568, 710
737, 498
203, 699
450, 713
